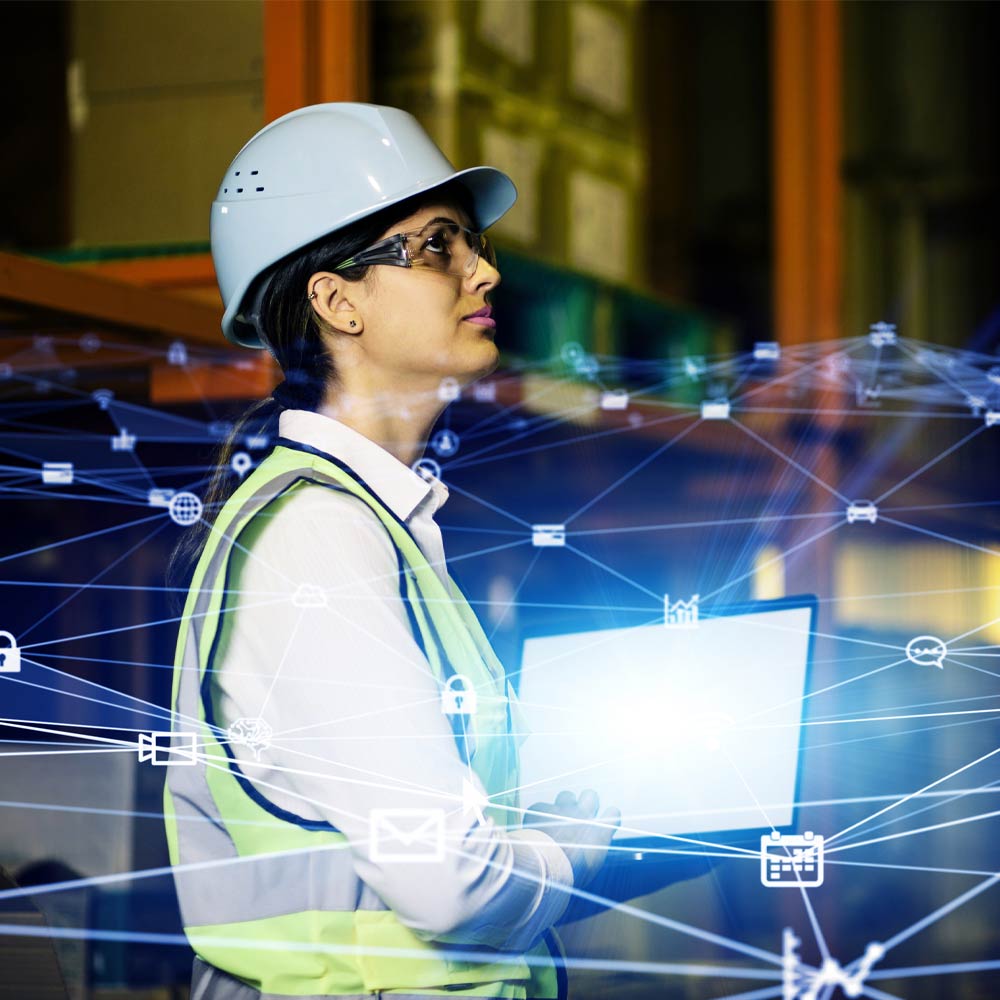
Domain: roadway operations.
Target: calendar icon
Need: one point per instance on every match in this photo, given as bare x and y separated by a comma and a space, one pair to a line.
791, 861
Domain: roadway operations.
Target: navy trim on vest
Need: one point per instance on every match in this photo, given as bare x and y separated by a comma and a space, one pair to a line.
247, 783
457, 722
206, 700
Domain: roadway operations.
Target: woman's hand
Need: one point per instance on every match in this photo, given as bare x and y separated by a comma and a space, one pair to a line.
572, 824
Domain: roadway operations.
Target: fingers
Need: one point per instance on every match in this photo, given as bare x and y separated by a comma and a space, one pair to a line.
612, 816
588, 803
566, 800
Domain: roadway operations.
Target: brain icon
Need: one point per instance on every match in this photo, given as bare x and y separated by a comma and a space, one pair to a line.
255, 734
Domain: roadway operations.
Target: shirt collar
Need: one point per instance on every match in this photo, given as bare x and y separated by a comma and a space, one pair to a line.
400, 488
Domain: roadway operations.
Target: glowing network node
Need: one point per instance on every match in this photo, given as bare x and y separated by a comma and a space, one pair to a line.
427, 469
310, 595
789, 861
572, 353
474, 802
165, 749
882, 334
10, 654
159, 496
220, 429
614, 399
90, 342
411, 835
449, 391
458, 696
548, 536
240, 462
57, 473
767, 350
681, 614
123, 441
715, 409
185, 509
800, 982
695, 367
862, 510
257, 442
991, 418
484, 392
254, 733
927, 650
177, 353
445, 443
102, 397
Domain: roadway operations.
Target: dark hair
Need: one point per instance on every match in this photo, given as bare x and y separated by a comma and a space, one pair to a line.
293, 334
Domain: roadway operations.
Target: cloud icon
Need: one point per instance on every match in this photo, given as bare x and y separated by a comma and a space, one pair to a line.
309, 596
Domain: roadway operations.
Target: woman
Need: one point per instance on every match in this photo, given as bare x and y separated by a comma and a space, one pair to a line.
352, 825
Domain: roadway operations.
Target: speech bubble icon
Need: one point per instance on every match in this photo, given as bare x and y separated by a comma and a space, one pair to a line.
927, 651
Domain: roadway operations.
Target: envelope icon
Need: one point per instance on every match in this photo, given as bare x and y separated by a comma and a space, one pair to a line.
407, 835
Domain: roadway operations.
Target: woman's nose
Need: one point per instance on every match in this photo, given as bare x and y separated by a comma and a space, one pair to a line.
485, 275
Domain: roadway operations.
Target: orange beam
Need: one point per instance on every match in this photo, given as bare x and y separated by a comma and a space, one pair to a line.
806, 103
314, 51
75, 292
827, 144
245, 378
181, 271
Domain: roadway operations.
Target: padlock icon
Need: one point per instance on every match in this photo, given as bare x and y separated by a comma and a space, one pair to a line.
458, 700
10, 655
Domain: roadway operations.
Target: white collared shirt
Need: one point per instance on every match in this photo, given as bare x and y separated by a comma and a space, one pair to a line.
353, 705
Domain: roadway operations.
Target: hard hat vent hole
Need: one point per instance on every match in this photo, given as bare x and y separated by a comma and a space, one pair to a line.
237, 173
260, 189
239, 190
254, 173
225, 190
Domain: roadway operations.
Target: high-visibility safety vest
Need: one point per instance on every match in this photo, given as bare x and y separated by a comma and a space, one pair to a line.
272, 899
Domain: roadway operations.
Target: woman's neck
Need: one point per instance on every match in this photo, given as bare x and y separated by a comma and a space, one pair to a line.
400, 423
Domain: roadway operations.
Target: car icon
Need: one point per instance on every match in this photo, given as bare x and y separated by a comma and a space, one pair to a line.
862, 510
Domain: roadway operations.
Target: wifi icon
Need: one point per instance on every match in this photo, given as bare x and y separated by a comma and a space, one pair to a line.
103, 397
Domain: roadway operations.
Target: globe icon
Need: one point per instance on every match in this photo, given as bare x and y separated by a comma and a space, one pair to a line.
185, 509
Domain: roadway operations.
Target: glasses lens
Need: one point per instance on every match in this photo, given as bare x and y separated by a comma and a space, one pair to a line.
450, 248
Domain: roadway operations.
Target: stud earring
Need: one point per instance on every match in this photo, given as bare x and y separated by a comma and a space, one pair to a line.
310, 296
353, 323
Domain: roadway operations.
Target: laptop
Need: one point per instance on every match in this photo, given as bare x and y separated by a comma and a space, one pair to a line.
692, 731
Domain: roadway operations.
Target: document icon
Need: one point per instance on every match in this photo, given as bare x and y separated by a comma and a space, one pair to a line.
407, 835
166, 748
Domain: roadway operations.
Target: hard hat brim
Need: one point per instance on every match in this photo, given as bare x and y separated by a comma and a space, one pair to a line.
492, 193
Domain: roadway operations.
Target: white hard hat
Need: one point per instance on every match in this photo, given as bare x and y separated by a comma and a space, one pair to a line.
317, 170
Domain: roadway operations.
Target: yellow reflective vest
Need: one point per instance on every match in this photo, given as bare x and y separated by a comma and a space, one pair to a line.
272, 900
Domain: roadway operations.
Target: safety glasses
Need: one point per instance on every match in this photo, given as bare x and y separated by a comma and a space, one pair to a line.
442, 245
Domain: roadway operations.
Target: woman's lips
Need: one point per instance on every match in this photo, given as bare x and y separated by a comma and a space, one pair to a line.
481, 321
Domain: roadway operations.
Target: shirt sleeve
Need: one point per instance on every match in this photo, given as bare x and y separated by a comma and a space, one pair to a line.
355, 727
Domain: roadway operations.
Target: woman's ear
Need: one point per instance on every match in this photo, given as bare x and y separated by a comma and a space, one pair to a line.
328, 295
